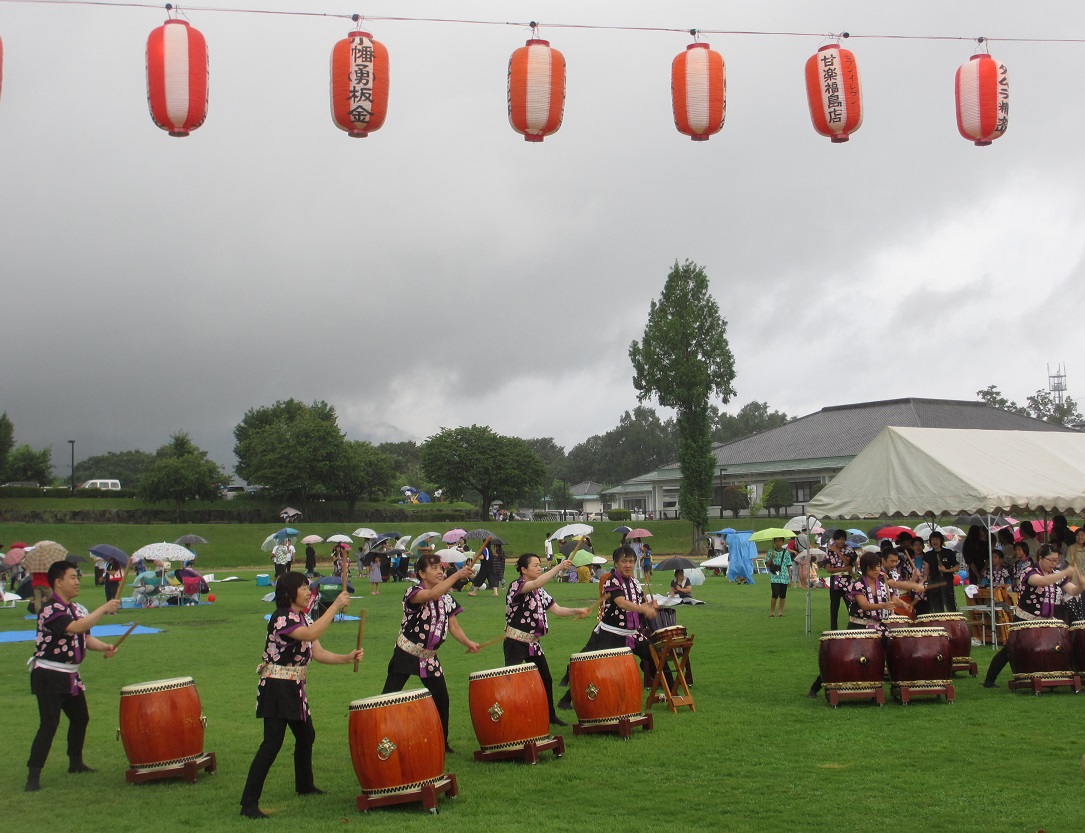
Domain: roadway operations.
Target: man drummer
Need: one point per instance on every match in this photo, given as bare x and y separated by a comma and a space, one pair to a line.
838, 563
63, 639
1040, 587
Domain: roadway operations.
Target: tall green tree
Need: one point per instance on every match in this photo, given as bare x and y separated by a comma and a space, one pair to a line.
640, 442
181, 472
125, 466
7, 442
290, 448
478, 459
1041, 405
735, 499
362, 471
752, 418
24, 463
684, 361
777, 495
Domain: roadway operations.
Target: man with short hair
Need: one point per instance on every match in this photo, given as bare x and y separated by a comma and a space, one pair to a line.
63, 638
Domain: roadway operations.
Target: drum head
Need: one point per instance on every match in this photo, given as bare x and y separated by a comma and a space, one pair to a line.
157, 685
587, 655
391, 699
523, 668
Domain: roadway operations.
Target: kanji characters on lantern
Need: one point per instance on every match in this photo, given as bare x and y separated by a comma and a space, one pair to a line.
698, 91
177, 77
536, 90
983, 99
834, 92
359, 84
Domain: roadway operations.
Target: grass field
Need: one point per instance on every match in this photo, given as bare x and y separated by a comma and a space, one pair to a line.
756, 755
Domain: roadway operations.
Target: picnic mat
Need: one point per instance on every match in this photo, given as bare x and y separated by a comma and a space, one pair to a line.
97, 630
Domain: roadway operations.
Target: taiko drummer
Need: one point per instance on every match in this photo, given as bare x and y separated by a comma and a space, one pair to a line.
429, 616
526, 608
293, 640
62, 641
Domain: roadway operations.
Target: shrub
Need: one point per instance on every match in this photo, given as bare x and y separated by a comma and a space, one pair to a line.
619, 514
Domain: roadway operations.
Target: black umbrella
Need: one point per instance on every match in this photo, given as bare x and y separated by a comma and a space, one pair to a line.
478, 535
623, 529
392, 534
73, 558
569, 546
675, 562
190, 539
108, 552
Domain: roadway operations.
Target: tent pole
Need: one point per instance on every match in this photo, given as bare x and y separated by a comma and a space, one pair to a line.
810, 561
991, 583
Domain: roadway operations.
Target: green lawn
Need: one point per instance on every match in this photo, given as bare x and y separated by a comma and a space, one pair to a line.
757, 754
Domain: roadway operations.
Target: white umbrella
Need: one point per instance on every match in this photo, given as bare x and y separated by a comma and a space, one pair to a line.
573, 531
924, 530
312, 539
797, 523
402, 543
424, 538
450, 555
162, 552
339, 538
954, 531
718, 562
695, 576
363, 532
269, 543
598, 559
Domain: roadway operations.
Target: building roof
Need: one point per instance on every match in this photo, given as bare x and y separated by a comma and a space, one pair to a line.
586, 489
845, 430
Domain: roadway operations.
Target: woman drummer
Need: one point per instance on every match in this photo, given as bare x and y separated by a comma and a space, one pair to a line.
1040, 586
292, 641
526, 608
429, 616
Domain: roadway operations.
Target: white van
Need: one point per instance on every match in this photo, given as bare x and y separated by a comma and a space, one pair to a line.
110, 485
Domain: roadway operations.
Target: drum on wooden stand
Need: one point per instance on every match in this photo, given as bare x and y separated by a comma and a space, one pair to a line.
960, 637
1040, 655
851, 664
1077, 646
920, 661
896, 620
510, 713
162, 726
605, 688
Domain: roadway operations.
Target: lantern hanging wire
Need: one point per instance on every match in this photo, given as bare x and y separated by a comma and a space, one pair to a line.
696, 35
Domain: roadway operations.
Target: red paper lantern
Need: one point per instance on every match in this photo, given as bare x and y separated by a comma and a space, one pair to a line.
177, 77
698, 91
536, 90
983, 99
359, 84
834, 92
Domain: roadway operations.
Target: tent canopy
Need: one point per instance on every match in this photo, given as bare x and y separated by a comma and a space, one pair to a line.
947, 471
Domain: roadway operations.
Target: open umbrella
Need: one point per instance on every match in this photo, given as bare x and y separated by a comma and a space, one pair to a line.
287, 532
478, 535
190, 539
451, 555
801, 522
771, 534
42, 555
14, 556
924, 530
889, 532
676, 562
453, 535
638, 533
403, 542
339, 538
380, 539
290, 514
364, 532
108, 552
718, 562
727, 530
622, 529
162, 552
583, 558
573, 531
954, 531
575, 546
312, 539
424, 538
22, 545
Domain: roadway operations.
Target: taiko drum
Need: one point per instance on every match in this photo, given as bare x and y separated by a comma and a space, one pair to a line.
956, 625
508, 707
605, 685
397, 743
919, 655
847, 658
161, 723
1039, 646
1077, 645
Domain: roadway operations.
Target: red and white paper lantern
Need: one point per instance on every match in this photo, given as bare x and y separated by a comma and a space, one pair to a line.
536, 90
983, 99
834, 92
177, 77
698, 91
359, 84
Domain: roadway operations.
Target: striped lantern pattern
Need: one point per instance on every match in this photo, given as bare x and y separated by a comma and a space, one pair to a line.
359, 84
834, 92
698, 91
983, 99
536, 90
177, 77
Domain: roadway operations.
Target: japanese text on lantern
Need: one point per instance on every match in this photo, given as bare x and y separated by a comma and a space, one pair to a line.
360, 93
1003, 99
830, 83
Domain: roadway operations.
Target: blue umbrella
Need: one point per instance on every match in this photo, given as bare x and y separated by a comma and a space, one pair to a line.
110, 553
725, 531
287, 532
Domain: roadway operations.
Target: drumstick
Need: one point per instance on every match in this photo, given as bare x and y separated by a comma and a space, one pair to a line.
124, 579
124, 636
488, 642
361, 629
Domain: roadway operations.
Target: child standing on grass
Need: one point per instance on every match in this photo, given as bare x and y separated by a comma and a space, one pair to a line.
375, 577
778, 560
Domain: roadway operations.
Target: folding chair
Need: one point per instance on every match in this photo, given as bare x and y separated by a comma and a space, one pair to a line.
190, 590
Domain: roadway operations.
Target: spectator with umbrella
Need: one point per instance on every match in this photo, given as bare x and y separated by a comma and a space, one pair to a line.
484, 559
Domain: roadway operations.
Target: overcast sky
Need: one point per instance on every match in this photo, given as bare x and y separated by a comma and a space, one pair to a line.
445, 272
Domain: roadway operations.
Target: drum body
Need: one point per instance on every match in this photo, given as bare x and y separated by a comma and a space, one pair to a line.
851, 659
161, 723
660, 635
1077, 645
508, 707
919, 655
605, 685
1039, 646
956, 625
895, 620
397, 743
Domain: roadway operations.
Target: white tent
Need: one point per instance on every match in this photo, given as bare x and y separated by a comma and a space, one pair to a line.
946, 471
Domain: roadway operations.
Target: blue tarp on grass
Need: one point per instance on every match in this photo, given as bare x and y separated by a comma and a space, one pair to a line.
98, 631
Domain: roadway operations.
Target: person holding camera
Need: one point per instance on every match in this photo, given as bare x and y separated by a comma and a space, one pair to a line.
778, 560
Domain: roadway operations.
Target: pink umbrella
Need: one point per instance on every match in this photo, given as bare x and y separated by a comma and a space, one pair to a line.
453, 535
638, 533
14, 556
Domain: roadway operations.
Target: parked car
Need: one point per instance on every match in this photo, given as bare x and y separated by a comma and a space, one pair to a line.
107, 485
20, 484
232, 491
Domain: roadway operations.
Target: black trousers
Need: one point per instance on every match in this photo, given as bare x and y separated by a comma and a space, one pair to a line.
47, 685
274, 734
999, 661
434, 685
516, 653
835, 598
